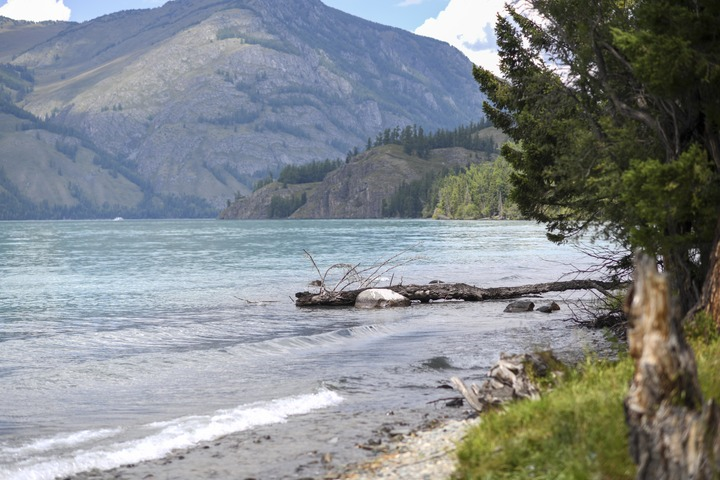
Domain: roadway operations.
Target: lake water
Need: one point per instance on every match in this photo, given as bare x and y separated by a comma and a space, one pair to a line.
122, 341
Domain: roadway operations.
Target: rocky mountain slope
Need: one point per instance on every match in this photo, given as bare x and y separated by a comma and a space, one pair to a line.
49, 171
203, 97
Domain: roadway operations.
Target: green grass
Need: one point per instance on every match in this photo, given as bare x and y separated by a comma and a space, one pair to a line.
576, 431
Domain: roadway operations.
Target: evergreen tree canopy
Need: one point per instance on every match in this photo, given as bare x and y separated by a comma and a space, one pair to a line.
415, 141
308, 173
614, 108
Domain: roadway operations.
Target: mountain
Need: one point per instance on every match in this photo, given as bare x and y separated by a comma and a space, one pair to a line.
201, 98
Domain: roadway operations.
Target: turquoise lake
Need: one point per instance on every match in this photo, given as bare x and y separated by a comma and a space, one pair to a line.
121, 341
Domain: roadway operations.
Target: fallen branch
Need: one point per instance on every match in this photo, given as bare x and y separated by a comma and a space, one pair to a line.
451, 291
509, 379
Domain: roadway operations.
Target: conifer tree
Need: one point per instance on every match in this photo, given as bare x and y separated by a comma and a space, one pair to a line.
614, 108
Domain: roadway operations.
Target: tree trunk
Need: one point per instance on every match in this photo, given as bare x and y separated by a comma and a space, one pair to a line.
672, 434
450, 291
710, 302
682, 284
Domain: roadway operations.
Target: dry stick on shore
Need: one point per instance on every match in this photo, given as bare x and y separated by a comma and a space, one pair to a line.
451, 291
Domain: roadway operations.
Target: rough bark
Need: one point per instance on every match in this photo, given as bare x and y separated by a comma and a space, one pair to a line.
711, 288
450, 291
673, 435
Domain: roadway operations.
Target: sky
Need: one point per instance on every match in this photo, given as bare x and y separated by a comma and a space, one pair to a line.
465, 24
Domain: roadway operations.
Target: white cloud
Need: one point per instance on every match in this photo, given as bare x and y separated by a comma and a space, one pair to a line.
35, 10
469, 26
408, 3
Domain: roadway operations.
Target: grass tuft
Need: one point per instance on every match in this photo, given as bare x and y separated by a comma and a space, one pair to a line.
576, 431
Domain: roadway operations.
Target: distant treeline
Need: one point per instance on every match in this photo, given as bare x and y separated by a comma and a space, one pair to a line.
479, 191
297, 174
473, 191
308, 173
476, 191
17, 79
283, 207
415, 141
415, 199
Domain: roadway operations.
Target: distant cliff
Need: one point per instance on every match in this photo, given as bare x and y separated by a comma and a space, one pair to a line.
201, 98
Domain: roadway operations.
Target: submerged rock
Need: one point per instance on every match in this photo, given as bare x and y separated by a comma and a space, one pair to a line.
380, 298
551, 307
520, 306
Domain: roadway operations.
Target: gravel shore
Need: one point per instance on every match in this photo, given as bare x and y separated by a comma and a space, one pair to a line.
425, 455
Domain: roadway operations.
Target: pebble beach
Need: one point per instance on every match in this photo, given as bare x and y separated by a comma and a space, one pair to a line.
426, 455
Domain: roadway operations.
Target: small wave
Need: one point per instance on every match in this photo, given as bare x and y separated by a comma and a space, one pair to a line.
50, 459
72, 440
285, 345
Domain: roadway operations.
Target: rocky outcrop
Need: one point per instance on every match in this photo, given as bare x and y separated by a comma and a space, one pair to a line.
549, 308
259, 205
358, 188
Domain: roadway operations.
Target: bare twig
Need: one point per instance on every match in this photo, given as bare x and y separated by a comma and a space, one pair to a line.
356, 276
312, 260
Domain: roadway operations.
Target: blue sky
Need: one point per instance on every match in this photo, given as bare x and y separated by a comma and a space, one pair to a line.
465, 24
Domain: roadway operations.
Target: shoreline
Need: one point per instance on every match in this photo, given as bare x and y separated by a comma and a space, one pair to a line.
423, 451
329, 444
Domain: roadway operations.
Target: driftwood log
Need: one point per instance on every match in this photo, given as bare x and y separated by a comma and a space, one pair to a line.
673, 434
508, 379
450, 291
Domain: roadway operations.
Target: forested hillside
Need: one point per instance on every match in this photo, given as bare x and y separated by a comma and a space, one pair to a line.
405, 173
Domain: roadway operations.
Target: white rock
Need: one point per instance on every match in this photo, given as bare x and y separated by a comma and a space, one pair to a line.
380, 298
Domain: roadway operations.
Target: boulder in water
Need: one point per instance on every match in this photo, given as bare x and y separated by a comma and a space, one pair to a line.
380, 298
551, 307
520, 306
